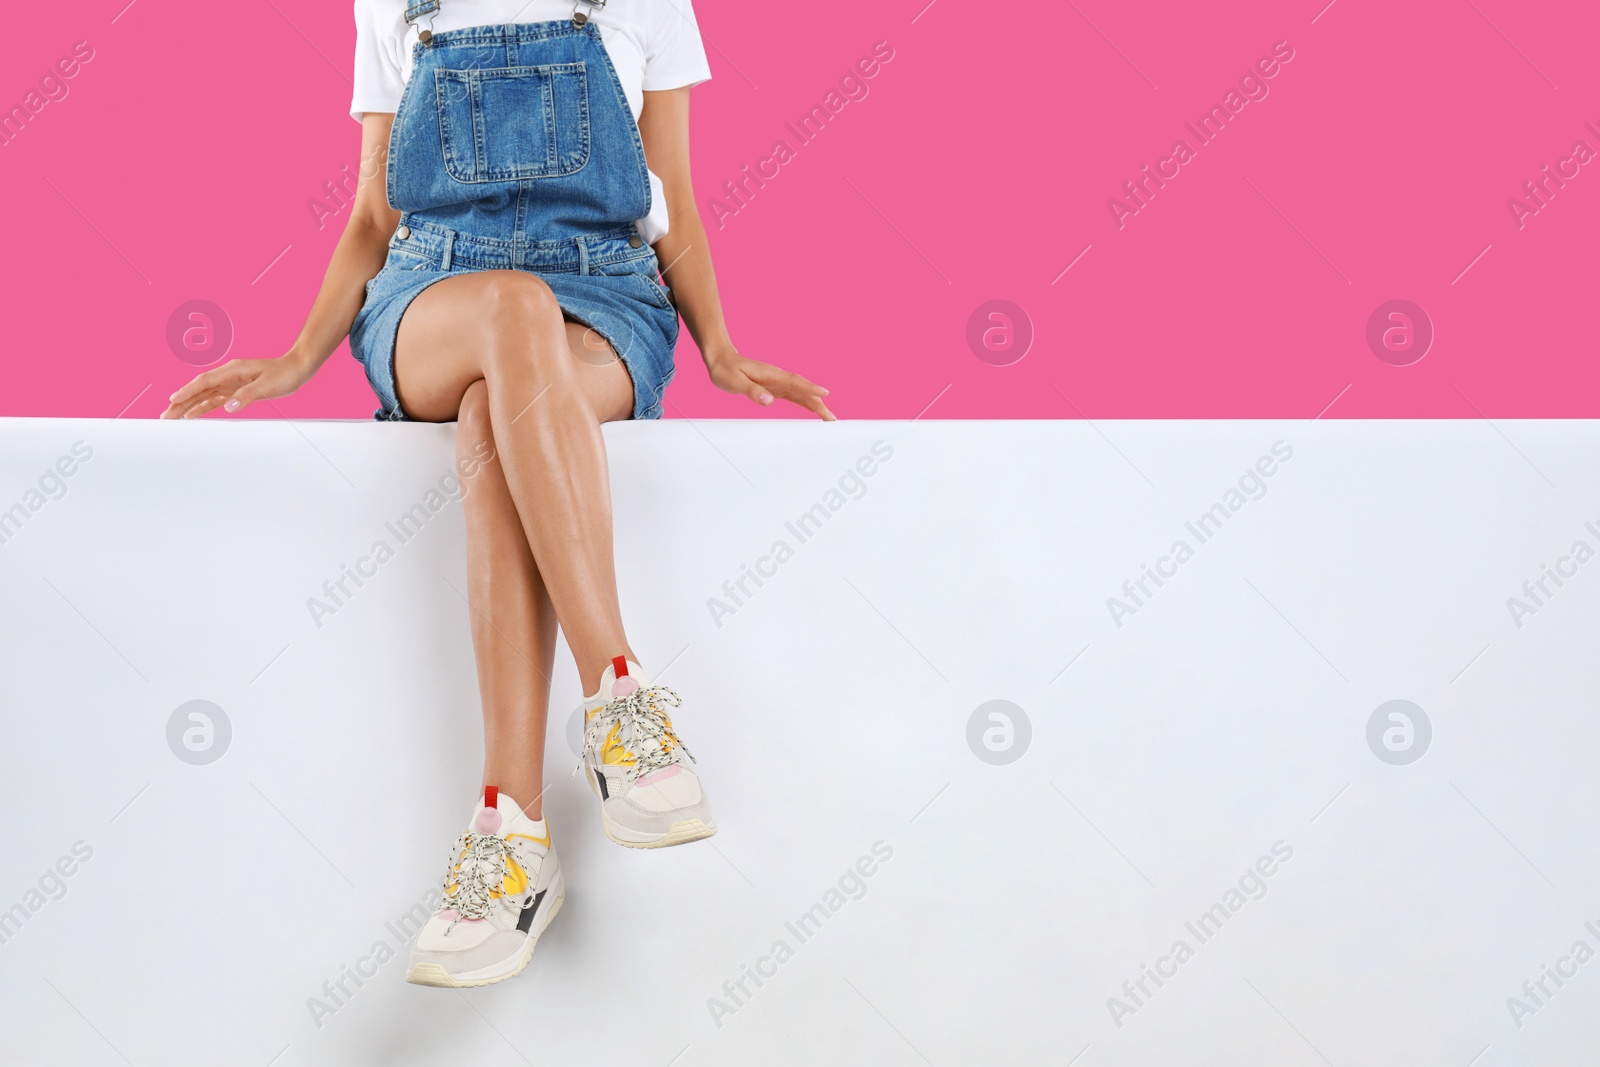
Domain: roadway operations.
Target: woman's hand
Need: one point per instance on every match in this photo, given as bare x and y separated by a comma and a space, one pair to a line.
238, 382
762, 382
686, 251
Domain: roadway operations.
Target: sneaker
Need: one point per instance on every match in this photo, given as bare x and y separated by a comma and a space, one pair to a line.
649, 796
501, 889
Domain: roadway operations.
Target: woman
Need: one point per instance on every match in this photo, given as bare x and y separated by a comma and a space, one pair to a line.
519, 233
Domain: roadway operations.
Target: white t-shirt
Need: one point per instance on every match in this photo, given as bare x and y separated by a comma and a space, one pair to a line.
653, 44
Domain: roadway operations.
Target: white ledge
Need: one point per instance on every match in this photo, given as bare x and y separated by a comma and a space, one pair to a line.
1176, 740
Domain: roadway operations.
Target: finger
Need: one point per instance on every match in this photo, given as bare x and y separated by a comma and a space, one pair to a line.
758, 392
806, 384
243, 396
194, 387
819, 409
225, 376
810, 401
178, 408
776, 376
203, 403
196, 406
175, 406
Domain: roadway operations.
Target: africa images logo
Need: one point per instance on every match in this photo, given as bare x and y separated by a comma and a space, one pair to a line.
851, 885
1138, 192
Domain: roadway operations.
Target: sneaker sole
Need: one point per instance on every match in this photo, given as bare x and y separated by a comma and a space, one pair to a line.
680, 833
433, 974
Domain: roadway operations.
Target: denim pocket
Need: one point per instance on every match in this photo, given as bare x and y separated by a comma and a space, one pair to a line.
513, 123
657, 291
405, 259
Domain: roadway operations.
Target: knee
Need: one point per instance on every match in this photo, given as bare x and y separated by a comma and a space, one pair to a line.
523, 318
518, 299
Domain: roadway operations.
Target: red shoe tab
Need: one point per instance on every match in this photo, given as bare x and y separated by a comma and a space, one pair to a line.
619, 664
491, 796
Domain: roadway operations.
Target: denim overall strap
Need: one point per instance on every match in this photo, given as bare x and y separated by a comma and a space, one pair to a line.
415, 9
580, 16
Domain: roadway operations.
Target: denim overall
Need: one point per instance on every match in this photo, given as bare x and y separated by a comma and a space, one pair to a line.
514, 149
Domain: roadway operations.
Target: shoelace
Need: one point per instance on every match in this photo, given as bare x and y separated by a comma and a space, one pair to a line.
645, 733
477, 868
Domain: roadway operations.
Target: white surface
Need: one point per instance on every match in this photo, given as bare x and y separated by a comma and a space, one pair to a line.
829, 713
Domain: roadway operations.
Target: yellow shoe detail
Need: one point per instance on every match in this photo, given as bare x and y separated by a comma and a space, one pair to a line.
612, 754
516, 880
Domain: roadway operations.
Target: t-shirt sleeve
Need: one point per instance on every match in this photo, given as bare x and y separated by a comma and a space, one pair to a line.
674, 57
378, 84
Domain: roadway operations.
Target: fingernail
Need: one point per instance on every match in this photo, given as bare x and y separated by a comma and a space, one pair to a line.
171, 398
766, 398
232, 405
824, 392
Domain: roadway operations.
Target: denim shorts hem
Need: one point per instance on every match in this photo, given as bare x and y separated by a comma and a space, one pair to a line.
624, 309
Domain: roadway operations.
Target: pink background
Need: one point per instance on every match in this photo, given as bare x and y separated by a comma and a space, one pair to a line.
180, 163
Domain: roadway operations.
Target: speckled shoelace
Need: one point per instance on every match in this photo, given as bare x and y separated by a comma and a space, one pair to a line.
646, 734
477, 868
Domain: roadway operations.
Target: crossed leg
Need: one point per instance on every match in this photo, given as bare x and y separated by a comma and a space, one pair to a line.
529, 391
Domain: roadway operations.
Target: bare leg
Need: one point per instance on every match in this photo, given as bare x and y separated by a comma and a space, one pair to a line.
530, 391
513, 621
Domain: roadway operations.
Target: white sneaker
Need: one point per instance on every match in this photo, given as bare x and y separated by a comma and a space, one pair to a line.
649, 796
502, 887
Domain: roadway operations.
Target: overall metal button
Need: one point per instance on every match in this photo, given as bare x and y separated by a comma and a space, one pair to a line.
425, 36
635, 241
403, 232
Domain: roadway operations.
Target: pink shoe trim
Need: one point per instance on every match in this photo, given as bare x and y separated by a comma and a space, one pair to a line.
658, 776
488, 821
624, 685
